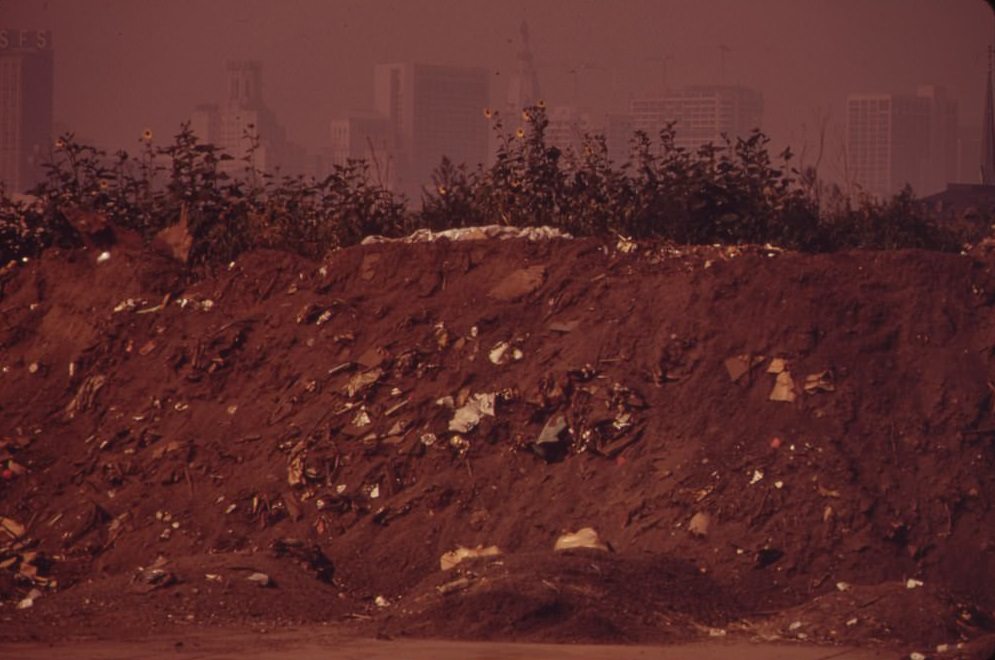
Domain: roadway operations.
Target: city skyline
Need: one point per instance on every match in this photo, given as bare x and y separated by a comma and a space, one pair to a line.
319, 56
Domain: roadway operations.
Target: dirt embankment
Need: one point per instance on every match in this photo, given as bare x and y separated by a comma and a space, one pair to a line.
765, 443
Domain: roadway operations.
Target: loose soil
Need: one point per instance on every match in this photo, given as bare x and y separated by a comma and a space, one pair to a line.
768, 445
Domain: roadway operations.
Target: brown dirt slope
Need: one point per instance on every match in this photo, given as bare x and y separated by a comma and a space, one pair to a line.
329, 425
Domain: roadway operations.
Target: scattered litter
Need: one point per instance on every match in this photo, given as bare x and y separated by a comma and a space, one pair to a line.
716, 632
13, 528
479, 233
499, 354
699, 524
740, 365
103, 256
582, 538
550, 443
452, 558
428, 439
563, 327
380, 601
295, 464
912, 583
261, 579
784, 388
29, 600
456, 585
153, 577
915, 655
843, 586
758, 475
819, 382
362, 419
466, 418
362, 381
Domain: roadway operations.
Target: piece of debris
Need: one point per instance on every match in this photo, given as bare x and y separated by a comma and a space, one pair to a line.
912, 583
563, 327
453, 557
295, 464
784, 388
85, 395
29, 600
758, 475
819, 382
503, 352
740, 365
451, 587
261, 579
583, 538
466, 418
13, 528
153, 577
699, 524
362, 381
551, 443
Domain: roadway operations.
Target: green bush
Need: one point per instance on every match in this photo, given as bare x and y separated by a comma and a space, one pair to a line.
733, 192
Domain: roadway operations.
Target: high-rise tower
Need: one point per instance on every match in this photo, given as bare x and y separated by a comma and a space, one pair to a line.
26, 92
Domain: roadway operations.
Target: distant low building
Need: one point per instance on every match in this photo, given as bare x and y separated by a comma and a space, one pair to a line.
702, 114
26, 100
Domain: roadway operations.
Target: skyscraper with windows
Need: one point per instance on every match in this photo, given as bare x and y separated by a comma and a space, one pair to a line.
26, 98
895, 140
432, 111
243, 118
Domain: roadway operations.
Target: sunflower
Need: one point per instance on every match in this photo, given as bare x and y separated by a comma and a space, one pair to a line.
520, 133
488, 113
60, 144
104, 185
541, 103
147, 135
442, 190
526, 116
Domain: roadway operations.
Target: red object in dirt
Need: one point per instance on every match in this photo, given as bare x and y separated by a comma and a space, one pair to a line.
775, 442
7, 474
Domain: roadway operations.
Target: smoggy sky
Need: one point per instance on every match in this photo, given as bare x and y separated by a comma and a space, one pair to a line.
123, 65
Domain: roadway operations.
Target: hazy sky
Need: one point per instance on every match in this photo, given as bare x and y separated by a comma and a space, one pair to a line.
123, 65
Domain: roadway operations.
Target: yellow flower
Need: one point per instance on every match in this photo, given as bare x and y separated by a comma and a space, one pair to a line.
526, 116
147, 135
520, 133
541, 103
60, 144
104, 185
442, 190
487, 113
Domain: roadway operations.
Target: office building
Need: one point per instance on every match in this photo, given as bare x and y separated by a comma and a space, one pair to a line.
703, 114
432, 112
26, 98
361, 136
243, 118
894, 140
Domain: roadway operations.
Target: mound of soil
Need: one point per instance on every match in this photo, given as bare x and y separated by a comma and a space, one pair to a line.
745, 429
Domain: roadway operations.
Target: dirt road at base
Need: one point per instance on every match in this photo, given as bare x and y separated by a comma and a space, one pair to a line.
314, 643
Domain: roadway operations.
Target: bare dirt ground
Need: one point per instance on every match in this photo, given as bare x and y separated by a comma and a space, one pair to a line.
764, 447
